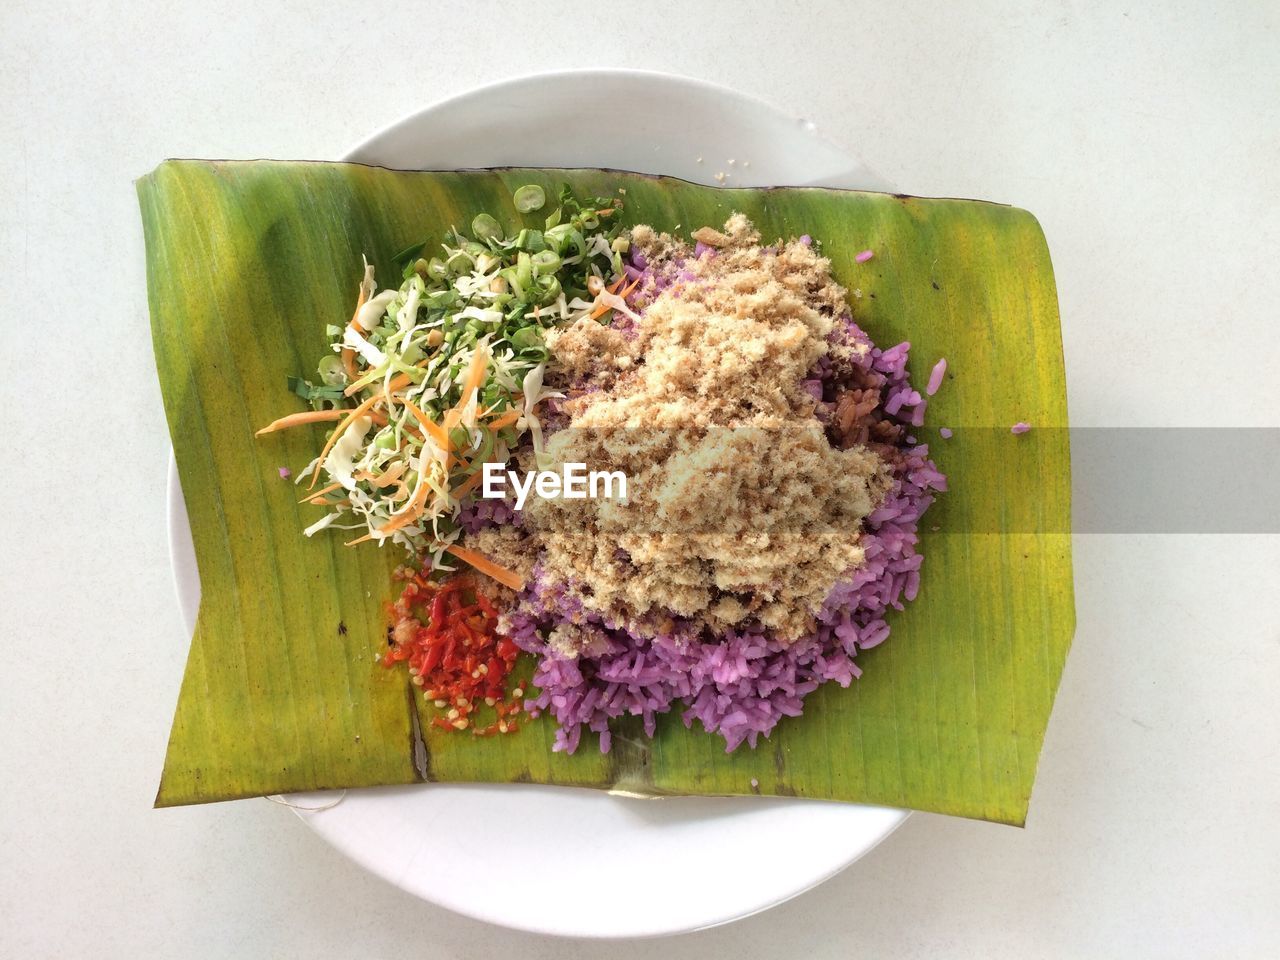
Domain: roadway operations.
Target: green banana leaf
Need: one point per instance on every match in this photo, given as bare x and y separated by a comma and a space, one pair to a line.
246, 264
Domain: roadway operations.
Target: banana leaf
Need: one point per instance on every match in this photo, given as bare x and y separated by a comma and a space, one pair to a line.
246, 264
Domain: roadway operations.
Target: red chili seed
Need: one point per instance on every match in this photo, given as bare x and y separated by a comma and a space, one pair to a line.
456, 652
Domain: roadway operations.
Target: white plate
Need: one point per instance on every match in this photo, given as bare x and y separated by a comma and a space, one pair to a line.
561, 860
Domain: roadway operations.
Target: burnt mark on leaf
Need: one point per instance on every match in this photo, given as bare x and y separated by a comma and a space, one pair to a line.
419, 755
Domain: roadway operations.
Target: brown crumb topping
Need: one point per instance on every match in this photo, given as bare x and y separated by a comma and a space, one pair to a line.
739, 507
587, 348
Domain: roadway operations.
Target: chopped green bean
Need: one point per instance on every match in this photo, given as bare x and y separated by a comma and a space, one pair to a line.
545, 261
531, 241
331, 371
530, 198
484, 227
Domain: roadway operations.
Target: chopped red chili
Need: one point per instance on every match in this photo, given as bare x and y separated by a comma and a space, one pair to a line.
457, 656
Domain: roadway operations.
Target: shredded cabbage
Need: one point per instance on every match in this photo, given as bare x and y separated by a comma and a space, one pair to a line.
413, 350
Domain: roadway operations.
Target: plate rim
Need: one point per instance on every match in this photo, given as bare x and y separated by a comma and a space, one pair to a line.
879, 183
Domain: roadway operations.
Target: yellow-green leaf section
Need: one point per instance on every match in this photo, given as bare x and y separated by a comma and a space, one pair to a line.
248, 261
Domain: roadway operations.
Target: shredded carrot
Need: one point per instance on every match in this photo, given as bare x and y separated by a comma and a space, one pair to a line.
320, 493
437, 433
397, 383
506, 420
475, 374
508, 578
471, 483
412, 511
349, 355
340, 429
516, 399
295, 419
415, 507
418, 435
385, 479
602, 308
400, 382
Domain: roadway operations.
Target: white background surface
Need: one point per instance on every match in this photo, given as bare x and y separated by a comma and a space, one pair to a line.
1146, 139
